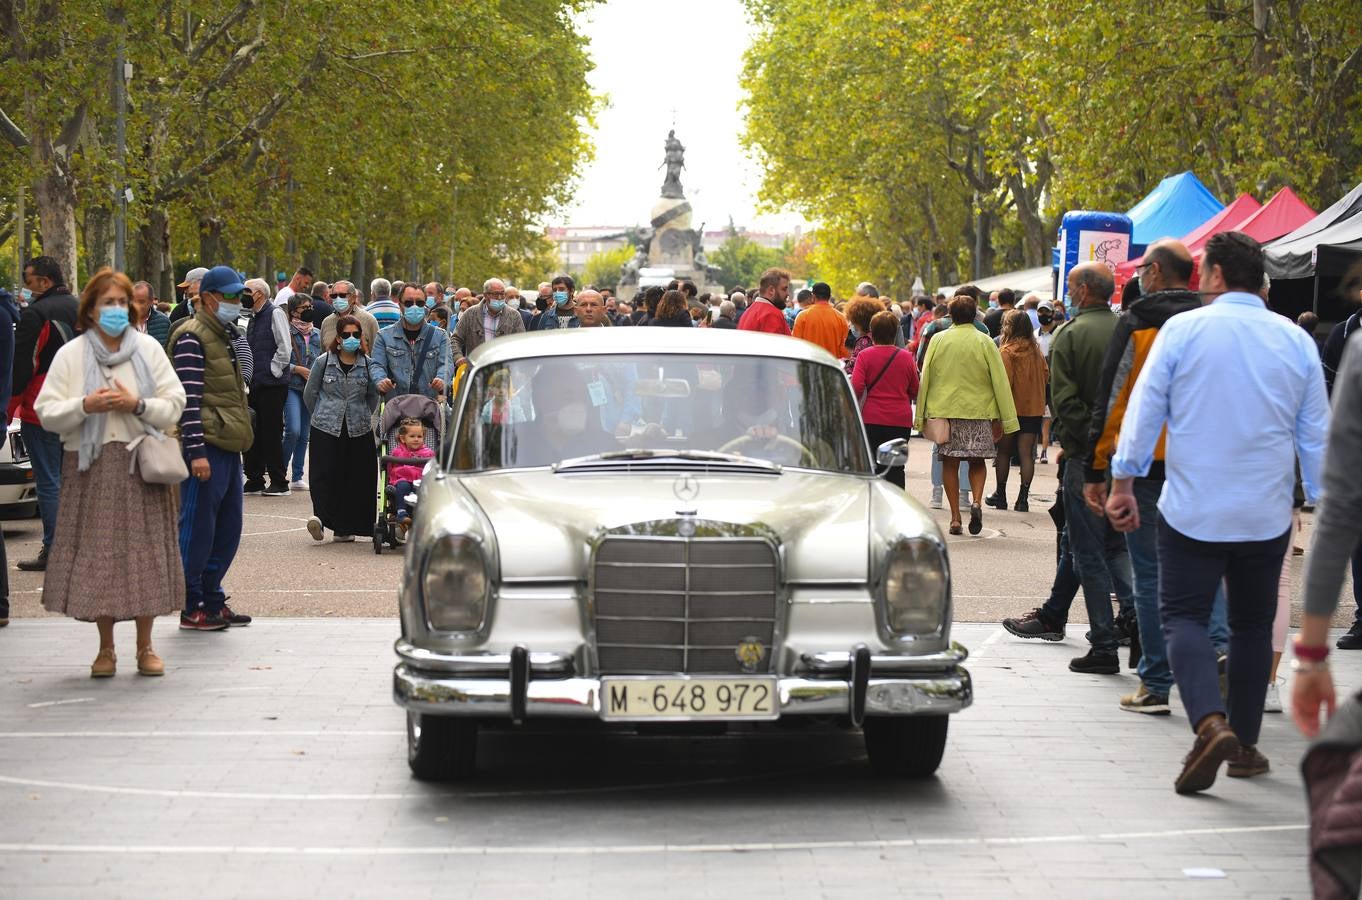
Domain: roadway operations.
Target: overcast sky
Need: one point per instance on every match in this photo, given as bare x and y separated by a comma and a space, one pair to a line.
659, 61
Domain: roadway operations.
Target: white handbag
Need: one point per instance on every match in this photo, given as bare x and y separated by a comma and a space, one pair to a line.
157, 458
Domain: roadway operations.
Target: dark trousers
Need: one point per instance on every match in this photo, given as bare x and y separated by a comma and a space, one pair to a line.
44, 451
266, 455
1102, 566
400, 492
1357, 581
344, 481
1189, 574
210, 530
878, 434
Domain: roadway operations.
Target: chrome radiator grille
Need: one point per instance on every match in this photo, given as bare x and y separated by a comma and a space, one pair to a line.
684, 605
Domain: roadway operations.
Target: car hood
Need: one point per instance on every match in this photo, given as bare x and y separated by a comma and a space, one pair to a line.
544, 521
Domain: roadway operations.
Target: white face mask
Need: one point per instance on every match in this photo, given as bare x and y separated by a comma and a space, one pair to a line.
572, 418
513, 303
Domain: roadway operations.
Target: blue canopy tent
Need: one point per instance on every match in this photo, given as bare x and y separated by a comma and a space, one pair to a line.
1176, 207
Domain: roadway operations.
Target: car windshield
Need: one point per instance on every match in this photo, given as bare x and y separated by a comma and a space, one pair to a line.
766, 410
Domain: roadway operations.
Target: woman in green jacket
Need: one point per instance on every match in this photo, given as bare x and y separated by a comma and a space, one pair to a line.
964, 382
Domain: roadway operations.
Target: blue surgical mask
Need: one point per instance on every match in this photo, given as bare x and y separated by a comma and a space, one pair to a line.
560, 298
228, 313
113, 320
414, 315
25, 295
496, 305
340, 305
430, 302
350, 345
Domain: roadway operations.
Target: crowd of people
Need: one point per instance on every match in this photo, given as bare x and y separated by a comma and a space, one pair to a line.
273, 389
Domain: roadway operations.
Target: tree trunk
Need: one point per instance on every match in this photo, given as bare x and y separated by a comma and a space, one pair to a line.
357, 261
98, 234
210, 240
55, 196
153, 248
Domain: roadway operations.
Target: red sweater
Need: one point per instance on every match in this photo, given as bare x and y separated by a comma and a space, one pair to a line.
762, 316
891, 401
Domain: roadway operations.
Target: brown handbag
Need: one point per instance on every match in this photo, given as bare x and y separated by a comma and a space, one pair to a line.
938, 431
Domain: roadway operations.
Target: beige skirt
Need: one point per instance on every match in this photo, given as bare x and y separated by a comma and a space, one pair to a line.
115, 551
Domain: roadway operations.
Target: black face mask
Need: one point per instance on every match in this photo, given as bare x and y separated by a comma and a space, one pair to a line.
1045, 318
305, 316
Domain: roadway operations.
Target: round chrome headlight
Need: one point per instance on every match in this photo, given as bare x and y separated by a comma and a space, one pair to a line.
915, 587
455, 584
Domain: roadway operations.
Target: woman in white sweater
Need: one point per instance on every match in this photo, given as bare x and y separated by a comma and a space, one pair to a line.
115, 555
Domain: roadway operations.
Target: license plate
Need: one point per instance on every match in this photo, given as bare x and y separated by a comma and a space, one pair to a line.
688, 698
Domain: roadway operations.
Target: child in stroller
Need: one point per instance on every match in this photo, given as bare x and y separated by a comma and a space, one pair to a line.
404, 477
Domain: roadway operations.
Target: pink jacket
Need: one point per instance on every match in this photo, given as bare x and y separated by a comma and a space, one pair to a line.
398, 472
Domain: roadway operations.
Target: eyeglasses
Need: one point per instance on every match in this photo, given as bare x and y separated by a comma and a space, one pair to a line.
302, 309
348, 334
235, 295
495, 295
339, 296
411, 303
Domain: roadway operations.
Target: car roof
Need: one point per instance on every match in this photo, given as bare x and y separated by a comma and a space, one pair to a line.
644, 340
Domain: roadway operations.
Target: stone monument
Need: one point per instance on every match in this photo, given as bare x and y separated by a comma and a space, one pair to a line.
670, 242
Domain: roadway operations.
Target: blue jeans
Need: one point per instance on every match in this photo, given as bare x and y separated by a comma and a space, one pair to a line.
1065, 586
210, 530
401, 490
44, 450
297, 425
1144, 562
1088, 544
936, 471
1189, 572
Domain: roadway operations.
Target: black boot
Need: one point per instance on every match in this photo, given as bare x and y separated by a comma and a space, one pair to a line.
998, 499
1022, 504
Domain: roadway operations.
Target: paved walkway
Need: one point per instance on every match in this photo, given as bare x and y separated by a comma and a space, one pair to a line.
270, 762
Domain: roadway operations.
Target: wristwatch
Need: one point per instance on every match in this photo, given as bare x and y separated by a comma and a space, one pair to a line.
140, 408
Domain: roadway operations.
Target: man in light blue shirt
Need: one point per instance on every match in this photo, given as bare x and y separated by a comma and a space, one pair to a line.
1241, 391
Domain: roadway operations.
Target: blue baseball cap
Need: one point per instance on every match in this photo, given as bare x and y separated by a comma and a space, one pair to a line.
221, 280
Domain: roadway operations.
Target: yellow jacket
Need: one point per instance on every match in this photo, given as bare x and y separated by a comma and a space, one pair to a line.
963, 378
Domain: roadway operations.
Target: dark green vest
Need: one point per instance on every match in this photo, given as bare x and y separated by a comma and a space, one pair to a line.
226, 419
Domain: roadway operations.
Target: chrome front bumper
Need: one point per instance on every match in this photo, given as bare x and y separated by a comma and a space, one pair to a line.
529, 685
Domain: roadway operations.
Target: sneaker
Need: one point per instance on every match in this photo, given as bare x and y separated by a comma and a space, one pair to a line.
200, 620
1247, 763
314, 528
342, 538
1350, 641
276, 490
254, 488
1215, 743
1033, 625
936, 498
1094, 663
1273, 701
298, 484
234, 619
1144, 702
37, 563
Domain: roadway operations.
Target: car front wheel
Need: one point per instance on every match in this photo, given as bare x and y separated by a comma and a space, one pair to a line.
906, 746
441, 748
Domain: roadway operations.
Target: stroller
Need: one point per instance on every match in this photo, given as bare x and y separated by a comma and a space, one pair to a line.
390, 415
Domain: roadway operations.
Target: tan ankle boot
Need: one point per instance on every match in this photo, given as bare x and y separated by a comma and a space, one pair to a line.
105, 664
148, 663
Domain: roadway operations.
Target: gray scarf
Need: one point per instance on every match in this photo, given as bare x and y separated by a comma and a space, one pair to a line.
98, 360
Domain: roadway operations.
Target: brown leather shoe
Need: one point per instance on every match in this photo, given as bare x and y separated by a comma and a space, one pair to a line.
1247, 763
148, 663
105, 664
1215, 743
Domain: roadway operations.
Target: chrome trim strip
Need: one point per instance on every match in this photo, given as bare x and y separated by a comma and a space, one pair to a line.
482, 662
840, 661
425, 692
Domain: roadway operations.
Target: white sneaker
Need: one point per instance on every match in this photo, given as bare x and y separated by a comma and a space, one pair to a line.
1273, 703
298, 485
314, 528
936, 497
342, 538
964, 499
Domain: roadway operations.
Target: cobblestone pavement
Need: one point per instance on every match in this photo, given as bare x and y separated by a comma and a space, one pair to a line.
270, 763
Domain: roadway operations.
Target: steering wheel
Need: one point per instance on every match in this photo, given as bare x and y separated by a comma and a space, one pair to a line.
805, 454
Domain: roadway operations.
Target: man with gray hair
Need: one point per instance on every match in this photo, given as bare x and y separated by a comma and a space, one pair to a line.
866, 289
345, 302
271, 346
381, 304
483, 321
151, 320
726, 317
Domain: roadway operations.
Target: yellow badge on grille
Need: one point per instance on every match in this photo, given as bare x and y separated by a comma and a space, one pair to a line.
750, 653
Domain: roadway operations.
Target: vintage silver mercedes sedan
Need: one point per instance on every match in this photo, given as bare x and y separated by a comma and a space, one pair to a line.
630, 527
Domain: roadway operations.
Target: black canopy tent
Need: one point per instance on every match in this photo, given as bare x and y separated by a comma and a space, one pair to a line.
1319, 265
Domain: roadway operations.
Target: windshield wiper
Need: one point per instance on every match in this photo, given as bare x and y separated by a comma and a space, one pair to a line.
702, 456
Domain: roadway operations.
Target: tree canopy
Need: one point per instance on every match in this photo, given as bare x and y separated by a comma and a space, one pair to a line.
944, 138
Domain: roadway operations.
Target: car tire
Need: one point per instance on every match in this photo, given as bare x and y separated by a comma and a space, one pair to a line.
906, 746
441, 748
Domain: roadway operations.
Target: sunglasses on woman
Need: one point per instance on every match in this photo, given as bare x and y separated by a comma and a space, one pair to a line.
346, 334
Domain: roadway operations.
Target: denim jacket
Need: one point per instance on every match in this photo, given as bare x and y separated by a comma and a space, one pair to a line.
393, 358
334, 395
305, 353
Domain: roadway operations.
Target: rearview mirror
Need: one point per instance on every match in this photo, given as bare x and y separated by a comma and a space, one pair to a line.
665, 388
892, 453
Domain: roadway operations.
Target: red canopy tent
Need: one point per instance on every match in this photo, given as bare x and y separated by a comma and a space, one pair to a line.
1283, 214
1228, 219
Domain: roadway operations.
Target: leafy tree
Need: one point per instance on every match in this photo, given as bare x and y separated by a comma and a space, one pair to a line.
603, 269
742, 260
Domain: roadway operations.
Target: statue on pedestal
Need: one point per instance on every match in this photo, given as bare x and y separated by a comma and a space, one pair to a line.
674, 162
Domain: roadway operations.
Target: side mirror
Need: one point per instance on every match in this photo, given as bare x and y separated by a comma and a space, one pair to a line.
892, 453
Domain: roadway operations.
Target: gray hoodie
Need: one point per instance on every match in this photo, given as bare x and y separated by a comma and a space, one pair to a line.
1338, 520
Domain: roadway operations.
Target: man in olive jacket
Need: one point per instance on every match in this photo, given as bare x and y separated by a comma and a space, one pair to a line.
1076, 358
214, 429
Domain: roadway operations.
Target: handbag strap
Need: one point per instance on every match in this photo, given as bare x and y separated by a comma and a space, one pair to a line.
871, 386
